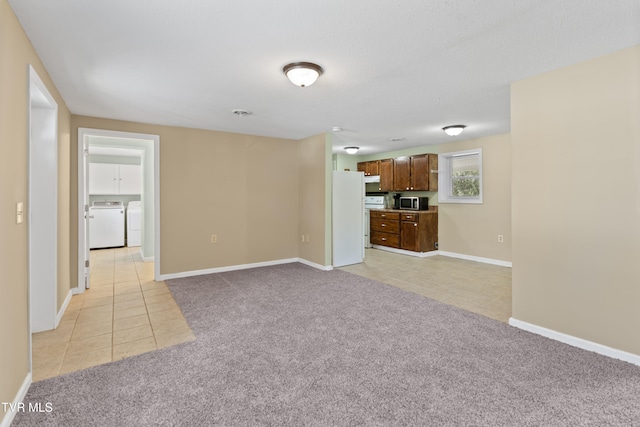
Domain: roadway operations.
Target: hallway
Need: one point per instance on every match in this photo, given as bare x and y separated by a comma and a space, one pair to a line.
124, 313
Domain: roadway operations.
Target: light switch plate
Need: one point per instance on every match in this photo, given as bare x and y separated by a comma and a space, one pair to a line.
19, 213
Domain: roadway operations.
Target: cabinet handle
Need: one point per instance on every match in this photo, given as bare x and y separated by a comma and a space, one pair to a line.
379, 188
412, 188
383, 216
415, 225
383, 225
407, 188
384, 239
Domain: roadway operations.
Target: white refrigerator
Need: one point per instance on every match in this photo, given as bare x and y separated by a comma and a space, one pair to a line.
348, 218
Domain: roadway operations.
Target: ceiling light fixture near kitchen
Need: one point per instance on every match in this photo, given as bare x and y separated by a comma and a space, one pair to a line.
302, 73
336, 129
351, 150
453, 130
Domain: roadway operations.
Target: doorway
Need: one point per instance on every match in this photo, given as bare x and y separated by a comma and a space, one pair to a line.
42, 206
114, 142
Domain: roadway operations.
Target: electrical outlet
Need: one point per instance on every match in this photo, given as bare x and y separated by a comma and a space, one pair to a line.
214, 238
302, 238
500, 238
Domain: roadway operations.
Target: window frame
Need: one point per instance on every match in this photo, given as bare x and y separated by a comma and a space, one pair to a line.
445, 179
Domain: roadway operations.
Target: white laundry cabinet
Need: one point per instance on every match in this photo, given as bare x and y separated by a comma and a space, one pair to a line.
108, 178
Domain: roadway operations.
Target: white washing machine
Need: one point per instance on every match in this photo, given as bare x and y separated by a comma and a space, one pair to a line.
106, 225
134, 223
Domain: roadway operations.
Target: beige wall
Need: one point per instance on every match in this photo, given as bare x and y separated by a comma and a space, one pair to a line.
16, 53
314, 168
472, 229
243, 188
345, 161
576, 200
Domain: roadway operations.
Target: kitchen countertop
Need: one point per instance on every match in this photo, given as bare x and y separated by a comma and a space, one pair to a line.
432, 209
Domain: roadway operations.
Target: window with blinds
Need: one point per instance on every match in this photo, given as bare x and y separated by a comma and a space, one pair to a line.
461, 179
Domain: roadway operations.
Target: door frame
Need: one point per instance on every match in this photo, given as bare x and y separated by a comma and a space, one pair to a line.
83, 249
42, 207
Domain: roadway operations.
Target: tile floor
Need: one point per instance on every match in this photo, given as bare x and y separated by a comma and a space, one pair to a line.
481, 288
124, 313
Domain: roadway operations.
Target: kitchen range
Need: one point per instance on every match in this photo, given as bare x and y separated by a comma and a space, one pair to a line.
371, 202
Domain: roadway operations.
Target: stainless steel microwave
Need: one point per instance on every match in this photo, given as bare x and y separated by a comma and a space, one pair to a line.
414, 203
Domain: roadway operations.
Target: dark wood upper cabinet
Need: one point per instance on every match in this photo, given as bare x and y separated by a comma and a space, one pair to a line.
386, 175
373, 167
414, 173
401, 174
370, 168
420, 172
433, 172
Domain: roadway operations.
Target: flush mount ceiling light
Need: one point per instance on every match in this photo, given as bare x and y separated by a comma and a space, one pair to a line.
453, 130
352, 150
302, 73
336, 129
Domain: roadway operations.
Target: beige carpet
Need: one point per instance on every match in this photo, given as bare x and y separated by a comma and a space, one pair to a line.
291, 345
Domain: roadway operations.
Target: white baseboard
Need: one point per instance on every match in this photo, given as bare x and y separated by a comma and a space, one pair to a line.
476, 258
444, 253
64, 307
223, 269
314, 265
576, 342
405, 252
22, 392
146, 258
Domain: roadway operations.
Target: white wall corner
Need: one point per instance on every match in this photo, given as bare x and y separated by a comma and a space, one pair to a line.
62, 310
146, 258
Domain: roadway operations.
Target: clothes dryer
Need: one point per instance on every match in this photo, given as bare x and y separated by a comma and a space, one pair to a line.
134, 223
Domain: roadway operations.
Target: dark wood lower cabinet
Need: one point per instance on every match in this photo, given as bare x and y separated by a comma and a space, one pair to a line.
409, 236
384, 228
411, 231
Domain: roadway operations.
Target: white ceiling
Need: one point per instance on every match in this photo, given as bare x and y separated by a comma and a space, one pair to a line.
393, 68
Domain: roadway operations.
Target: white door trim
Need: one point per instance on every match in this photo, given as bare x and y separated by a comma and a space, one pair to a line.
42, 206
82, 134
